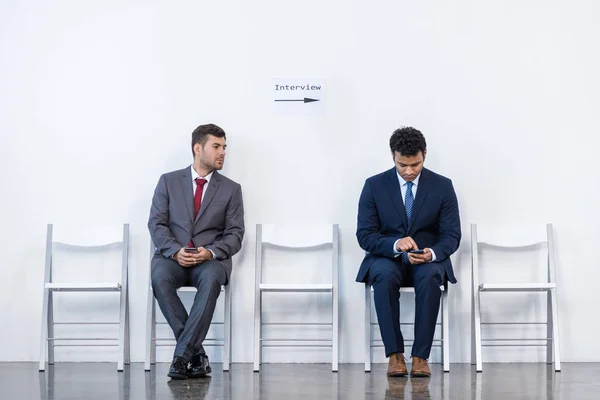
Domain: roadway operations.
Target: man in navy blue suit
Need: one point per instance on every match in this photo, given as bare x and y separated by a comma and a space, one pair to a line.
401, 210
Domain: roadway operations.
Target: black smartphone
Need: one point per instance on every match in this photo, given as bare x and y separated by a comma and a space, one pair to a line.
417, 251
190, 250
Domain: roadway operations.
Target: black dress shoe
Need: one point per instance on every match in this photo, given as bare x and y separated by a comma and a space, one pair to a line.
178, 368
199, 366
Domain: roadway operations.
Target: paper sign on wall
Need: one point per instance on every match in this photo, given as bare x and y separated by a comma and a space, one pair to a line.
298, 96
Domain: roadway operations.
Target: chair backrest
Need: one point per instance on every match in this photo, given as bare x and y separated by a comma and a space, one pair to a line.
83, 247
516, 241
297, 238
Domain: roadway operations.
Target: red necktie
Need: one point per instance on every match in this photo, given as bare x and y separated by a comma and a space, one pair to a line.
200, 182
198, 195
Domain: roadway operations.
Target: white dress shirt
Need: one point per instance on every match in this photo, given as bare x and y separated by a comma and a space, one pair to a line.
195, 186
403, 188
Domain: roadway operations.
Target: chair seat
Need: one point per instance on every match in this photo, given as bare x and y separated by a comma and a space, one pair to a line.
516, 287
309, 287
410, 289
84, 286
187, 289
191, 289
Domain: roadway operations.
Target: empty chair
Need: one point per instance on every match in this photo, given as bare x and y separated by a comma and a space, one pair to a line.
152, 341
51, 286
443, 342
295, 239
546, 285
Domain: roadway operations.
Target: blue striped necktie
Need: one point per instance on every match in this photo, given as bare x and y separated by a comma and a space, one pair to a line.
408, 201
408, 206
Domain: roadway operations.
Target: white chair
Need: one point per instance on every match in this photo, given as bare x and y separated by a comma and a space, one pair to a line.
296, 238
443, 342
547, 285
48, 340
152, 340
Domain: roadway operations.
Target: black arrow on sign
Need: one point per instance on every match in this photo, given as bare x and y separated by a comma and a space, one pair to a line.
306, 100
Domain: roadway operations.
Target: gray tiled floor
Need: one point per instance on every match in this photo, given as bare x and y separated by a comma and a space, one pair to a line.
298, 381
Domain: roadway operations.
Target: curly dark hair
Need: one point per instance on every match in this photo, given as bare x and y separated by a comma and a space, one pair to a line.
408, 141
200, 134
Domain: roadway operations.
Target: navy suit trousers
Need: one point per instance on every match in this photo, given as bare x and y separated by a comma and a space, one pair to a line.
387, 276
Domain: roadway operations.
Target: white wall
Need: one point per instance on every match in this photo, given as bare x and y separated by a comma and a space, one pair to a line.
97, 99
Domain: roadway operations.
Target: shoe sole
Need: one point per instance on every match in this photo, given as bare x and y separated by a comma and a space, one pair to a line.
420, 375
397, 374
177, 376
200, 375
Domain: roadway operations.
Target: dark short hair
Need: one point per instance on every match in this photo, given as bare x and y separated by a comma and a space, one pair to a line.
200, 134
408, 141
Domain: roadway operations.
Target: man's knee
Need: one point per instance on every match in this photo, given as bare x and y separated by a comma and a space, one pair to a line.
211, 275
385, 272
161, 278
430, 275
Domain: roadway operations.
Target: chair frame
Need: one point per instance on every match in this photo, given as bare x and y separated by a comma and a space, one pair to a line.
152, 341
443, 342
477, 287
48, 340
261, 288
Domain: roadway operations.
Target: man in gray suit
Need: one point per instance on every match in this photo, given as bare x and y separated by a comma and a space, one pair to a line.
197, 225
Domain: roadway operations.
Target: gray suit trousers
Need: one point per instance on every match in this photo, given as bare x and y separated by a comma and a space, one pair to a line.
190, 330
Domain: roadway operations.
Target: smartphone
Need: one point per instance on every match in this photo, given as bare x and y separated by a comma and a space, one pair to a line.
417, 251
190, 250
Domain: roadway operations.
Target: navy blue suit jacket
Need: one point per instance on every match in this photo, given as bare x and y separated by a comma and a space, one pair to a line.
382, 219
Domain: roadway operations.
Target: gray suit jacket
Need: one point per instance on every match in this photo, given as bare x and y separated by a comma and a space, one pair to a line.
219, 225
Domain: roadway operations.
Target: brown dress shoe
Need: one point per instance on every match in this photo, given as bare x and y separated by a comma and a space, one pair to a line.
420, 367
397, 365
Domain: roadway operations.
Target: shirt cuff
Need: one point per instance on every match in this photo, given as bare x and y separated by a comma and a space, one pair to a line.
433, 257
396, 252
213, 254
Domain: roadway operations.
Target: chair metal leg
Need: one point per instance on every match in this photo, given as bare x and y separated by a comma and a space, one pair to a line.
153, 334
335, 331
127, 332
473, 347
51, 327
227, 330
257, 330
549, 327
122, 307
477, 318
367, 339
445, 333
150, 316
555, 335
44, 334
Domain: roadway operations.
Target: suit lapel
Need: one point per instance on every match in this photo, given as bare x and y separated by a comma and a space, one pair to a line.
188, 195
213, 186
422, 191
394, 189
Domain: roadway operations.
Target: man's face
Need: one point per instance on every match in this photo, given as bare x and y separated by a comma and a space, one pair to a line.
212, 154
409, 167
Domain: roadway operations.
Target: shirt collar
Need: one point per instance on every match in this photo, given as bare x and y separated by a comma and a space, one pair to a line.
195, 175
403, 182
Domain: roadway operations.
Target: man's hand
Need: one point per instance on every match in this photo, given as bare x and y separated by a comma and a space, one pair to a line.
203, 255
406, 244
186, 259
420, 258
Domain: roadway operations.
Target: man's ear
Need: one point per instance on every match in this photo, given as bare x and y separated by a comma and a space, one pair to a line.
424, 154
